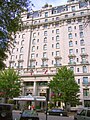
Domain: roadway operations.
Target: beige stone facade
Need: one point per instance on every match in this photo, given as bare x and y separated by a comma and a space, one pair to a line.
53, 37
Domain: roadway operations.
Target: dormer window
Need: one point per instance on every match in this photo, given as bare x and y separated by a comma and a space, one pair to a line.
46, 14
73, 8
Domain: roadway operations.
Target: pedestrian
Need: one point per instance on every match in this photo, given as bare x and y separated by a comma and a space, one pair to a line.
32, 107
29, 107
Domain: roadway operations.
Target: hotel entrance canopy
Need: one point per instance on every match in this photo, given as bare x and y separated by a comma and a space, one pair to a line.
30, 98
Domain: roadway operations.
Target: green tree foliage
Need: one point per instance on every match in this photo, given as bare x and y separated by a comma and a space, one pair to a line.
9, 84
10, 12
64, 87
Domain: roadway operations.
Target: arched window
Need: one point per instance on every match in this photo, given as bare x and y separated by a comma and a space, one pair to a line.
70, 35
45, 47
57, 45
21, 50
22, 42
33, 49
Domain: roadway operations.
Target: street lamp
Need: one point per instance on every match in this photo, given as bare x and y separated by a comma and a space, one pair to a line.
47, 99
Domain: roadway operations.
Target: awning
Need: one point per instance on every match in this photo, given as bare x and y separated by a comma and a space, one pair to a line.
30, 98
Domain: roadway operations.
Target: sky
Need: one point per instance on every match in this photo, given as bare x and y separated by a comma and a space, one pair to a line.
40, 3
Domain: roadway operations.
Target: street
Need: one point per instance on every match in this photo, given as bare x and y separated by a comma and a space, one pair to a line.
42, 116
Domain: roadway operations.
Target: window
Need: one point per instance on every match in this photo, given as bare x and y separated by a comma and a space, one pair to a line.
23, 36
69, 29
57, 62
57, 38
45, 39
44, 63
78, 81
34, 35
85, 92
73, 8
45, 26
83, 59
88, 113
52, 38
46, 20
52, 45
80, 27
52, 31
35, 22
37, 47
85, 80
66, 16
72, 68
57, 24
22, 42
20, 64
33, 41
13, 50
33, 49
74, 27
52, 19
45, 47
21, 57
36, 55
73, 14
21, 49
46, 14
37, 40
44, 54
81, 42
70, 43
84, 69
12, 57
70, 35
77, 60
32, 64
82, 50
76, 42
79, 20
32, 55
19, 36
77, 69
75, 34
38, 33
71, 60
45, 33
70, 51
81, 35
52, 53
57, 45
69, 21
52, 62
57, 18
57, 31
82, 13
57, 53
76, 50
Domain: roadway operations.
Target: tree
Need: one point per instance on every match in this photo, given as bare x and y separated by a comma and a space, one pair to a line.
10, 12
9, 84
64, 87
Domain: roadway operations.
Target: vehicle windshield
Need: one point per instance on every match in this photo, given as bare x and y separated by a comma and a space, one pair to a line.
58, 110
29, 113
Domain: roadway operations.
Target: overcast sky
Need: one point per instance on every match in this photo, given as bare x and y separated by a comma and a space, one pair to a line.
40, 3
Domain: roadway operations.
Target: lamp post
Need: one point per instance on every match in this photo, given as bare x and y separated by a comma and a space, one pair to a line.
47, 99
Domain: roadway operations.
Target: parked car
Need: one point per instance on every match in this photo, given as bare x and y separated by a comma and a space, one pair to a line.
6, 111
84, 114
29, 115
56, 111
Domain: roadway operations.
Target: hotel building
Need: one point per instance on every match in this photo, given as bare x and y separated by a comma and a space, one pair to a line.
53, 37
